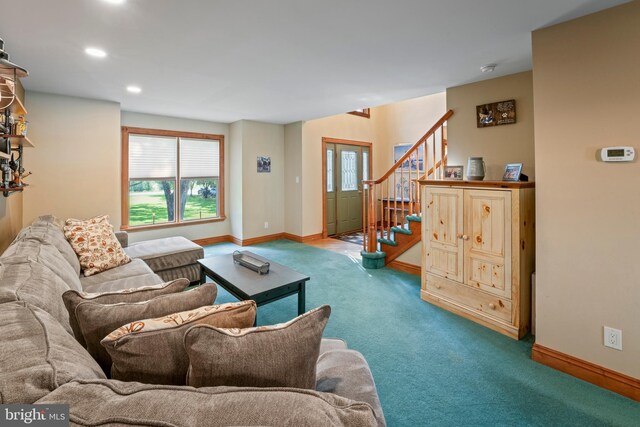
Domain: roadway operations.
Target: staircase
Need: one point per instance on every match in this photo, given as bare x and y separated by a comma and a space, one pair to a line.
392, 213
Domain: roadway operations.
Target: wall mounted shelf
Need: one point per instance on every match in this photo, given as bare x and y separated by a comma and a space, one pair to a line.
19, 141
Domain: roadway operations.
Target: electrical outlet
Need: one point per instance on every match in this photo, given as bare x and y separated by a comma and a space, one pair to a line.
266, 224
297, 180
613, 338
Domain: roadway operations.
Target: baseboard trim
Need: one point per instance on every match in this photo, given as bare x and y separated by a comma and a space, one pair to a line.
212, 240
261, 239
302, 239
587, 371
405, 267
256, 240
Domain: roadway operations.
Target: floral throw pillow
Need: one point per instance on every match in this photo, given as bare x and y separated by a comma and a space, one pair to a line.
95, 244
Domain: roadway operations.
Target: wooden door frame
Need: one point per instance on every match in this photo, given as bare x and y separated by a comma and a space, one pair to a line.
325, 141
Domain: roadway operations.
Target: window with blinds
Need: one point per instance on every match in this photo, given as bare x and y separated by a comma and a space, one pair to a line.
172, 177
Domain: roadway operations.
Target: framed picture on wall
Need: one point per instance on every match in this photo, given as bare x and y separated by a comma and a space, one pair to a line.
264, 164
415, 163
496, 114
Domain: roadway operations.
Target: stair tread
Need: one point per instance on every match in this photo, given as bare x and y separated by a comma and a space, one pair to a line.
414, 218
388, 241
401, 230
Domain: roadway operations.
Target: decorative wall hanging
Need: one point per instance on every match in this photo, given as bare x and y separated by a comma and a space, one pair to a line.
264, 164
416, 164
496, 113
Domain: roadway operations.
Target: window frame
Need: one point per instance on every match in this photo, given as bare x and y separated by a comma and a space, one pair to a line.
124, 191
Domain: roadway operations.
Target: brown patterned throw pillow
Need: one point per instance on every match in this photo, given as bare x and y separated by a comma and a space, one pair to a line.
72, 298
152, 350
283, 355
96, 245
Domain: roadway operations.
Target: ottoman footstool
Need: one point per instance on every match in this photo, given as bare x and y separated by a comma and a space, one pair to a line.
170, 258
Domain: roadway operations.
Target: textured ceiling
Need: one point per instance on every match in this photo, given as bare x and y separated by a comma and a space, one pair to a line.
277, 61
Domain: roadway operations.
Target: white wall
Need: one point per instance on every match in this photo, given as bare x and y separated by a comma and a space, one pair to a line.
497, 145
263, 199
76, 162
293, 178
586, 89
152, 121
236, 179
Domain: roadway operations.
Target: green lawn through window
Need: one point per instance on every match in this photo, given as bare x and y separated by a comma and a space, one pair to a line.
143, 206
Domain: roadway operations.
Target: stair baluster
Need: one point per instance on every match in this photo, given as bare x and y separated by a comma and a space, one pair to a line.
397, 195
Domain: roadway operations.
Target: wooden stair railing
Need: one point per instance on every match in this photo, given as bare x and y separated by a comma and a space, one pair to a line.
389, 199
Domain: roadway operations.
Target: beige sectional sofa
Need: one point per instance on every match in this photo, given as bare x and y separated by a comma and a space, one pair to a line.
41, 361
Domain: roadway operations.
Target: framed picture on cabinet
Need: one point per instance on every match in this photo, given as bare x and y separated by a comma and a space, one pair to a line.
512, 172
453, 172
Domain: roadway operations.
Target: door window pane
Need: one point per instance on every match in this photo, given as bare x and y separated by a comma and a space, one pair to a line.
349, 171
329, 171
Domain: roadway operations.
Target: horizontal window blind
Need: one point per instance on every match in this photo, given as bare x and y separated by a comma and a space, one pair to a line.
199, 158
152, 157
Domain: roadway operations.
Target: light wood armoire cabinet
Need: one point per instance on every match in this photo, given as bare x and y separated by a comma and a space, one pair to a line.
479, 251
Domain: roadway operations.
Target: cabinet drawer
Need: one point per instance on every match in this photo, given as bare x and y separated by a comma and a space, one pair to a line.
468, 298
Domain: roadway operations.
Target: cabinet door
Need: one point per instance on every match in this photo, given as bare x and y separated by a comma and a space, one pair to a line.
443, 228
487, 259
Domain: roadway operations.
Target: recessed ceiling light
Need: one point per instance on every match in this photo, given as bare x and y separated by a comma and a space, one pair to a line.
114, 1
488, 68
134, 89
95, 52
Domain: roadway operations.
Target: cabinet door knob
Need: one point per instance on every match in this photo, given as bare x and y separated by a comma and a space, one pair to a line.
437, 286
465, 237
459, 236
492, 306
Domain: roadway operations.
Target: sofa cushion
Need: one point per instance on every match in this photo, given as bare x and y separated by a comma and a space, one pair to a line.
192, 272
72, 298
97, 320
37, 355
328, 344
152, 350
96, 245
119, 403
46, 255
346, 373
49, 220
49, 233
115, 279
98, 219
34, 283
282, 355
167, 253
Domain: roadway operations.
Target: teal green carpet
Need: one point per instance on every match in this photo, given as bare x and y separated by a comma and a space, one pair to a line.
432, 367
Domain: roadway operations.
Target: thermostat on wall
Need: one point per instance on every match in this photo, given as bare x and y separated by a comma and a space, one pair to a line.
617, 154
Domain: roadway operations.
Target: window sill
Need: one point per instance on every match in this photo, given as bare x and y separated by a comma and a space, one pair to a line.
132, 229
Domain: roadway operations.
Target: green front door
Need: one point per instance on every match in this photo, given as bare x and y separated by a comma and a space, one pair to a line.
348, 188
331, 189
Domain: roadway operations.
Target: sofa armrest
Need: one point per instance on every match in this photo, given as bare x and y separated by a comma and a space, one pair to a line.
347, 374
123, 238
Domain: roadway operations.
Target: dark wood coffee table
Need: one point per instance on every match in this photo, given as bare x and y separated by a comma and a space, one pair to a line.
246, 284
